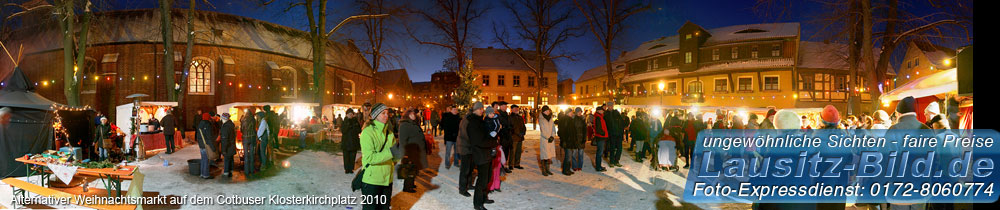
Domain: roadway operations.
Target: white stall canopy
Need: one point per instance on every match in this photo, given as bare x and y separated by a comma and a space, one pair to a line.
935, 84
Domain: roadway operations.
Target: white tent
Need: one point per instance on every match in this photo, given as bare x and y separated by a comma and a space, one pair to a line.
937, 83
123, 115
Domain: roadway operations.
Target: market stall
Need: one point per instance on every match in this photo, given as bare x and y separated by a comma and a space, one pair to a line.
295, 112
331, 111
151, 139
931, 88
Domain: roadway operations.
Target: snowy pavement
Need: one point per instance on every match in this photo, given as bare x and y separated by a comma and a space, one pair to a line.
634, 186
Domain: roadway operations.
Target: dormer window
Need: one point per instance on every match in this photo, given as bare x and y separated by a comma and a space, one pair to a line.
751, 30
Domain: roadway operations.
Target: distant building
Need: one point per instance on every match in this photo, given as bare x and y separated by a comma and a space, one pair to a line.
565, 91
505, 77
592, 87
398, 88
741, 66
922, 59
235, 59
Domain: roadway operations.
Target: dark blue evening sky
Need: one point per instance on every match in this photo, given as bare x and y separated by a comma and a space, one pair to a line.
421, 60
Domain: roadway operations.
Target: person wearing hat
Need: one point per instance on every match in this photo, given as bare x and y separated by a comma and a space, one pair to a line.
518, 129
227, 135
377, 158
248, 128
907, 117
350, 142
932, 110
830, 117
768, 120
567, 137
600, 136
101, 132
464, 150
482, 148
206, 138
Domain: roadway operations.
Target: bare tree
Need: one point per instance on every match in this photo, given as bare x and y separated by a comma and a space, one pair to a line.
607, 21
885, 24
546, 25
376, 32
451, 21
166, 29
71, 75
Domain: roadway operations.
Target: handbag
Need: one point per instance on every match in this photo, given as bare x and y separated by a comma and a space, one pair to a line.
357, 182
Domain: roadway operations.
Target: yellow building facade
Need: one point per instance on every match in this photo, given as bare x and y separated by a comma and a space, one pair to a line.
504, 77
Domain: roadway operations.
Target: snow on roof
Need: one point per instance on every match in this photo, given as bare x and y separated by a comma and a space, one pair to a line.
211, 28
935, 53
495, 58
722, 35
751, 32
598, 71
819, 55
650, 75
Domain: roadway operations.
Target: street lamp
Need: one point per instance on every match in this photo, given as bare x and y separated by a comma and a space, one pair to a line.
661, 93
349, 19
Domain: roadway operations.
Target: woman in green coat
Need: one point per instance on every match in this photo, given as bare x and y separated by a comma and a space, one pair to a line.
377, 159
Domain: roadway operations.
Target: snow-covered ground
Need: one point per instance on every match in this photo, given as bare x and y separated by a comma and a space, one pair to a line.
633, 186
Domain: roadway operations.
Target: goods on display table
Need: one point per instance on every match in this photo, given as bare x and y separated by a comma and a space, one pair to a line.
65, 166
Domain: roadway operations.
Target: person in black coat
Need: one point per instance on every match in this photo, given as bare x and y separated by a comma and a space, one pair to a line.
350, 141
505, 136
411, 138
567, 140
227, 136
248, 128
450, 122
518, 130
169, 122
483, 149
206, 139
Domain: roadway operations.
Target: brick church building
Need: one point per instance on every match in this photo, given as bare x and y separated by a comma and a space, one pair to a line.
235, 59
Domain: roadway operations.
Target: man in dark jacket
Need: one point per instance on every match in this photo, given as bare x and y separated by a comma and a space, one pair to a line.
450, 122
350, 143
483, 150
567, 140
616, 133
464, 149
248, 128
205, 142
505, 136
227, 134
600, 136
640, 134
580, 126
168, 122
519, 130
907, 119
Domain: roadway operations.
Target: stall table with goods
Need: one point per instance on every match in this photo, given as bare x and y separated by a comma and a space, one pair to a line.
66, 167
